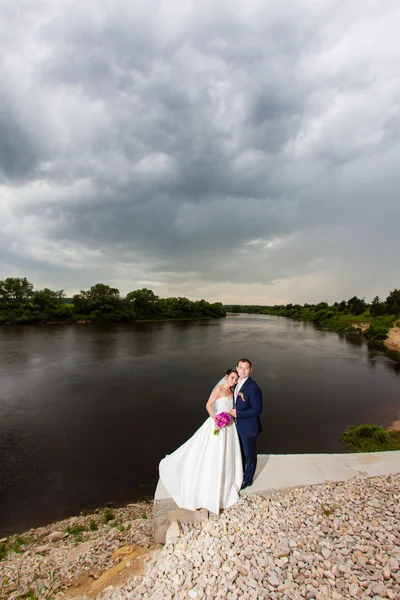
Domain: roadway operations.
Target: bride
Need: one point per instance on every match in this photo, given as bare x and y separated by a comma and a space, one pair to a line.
207, 471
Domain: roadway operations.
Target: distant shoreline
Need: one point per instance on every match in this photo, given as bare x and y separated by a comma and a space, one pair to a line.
90, 322
357, 328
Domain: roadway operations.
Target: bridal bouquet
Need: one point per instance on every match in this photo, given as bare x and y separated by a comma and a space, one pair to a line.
222, 420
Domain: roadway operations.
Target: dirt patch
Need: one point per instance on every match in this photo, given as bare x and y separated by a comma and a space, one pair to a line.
393, 340
395, 426
362, 326
129, 561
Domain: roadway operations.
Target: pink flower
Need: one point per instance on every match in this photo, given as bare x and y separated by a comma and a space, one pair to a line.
222, 420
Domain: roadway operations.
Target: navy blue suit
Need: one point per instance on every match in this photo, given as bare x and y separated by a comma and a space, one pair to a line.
249, 405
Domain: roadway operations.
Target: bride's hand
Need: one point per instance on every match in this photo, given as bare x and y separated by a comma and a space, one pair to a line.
233, 412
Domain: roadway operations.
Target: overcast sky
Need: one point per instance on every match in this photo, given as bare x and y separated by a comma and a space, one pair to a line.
244, 151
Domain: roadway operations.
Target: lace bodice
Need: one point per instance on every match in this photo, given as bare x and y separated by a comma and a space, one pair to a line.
224, 404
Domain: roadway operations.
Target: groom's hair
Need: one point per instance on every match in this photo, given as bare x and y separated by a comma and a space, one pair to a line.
244, 360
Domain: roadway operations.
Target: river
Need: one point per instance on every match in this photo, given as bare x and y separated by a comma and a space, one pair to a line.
87, 411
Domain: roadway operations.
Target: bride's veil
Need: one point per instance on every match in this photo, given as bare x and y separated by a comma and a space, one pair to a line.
219, 382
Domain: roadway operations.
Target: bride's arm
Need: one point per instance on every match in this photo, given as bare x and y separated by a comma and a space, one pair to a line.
210, 402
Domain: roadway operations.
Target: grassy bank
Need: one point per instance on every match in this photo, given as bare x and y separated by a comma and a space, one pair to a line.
354, 317
370, 438
374, 328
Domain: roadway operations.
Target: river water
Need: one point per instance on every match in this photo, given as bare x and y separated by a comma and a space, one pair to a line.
87, 411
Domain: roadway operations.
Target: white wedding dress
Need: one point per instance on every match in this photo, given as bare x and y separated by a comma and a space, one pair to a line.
207, 471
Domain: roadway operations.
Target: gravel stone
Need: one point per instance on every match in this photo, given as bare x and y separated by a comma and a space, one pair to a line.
334, 541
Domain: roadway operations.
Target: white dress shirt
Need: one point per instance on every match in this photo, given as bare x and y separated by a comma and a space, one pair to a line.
239, 386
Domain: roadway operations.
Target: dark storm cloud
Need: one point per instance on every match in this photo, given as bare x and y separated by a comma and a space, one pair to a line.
21, 146
241, 143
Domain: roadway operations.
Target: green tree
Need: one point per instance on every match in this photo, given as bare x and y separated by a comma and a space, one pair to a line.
144, 302
356, 305
377, 307
393, 302
16, 289
96, 297
321, 305
202, 308
100, 303
217, 310
47, 299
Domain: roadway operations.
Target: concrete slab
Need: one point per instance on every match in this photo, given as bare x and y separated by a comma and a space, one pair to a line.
281, 471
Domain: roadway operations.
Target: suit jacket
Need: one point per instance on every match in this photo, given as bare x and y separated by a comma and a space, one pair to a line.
249, 405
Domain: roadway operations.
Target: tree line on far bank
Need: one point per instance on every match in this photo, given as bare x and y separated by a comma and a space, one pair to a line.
343, 316
21, 303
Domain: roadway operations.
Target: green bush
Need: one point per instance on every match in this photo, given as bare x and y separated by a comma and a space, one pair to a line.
92, 525
108, 515
377, 334
16, 545
3, 550
75, 529
369, 438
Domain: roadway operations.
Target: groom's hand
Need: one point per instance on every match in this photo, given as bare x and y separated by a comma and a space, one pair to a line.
233, 413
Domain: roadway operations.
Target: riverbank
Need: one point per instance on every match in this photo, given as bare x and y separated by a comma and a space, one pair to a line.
393, 340
395, 426
385, 336
77, 556
380, 329
331, 541
90, 322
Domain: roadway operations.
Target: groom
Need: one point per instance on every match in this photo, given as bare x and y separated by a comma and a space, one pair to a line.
247, 402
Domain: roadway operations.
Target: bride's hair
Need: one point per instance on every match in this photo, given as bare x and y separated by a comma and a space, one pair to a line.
229, 371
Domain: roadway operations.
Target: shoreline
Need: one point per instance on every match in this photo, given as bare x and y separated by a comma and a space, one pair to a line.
146, 500
331, 539
351, 328
143, 501
90, 322
392, 342
79, 555
394, 426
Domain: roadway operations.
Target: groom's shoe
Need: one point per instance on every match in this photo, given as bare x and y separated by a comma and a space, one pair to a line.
245, 484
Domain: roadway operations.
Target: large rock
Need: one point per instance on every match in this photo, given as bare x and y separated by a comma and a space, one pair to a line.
55, 536
42, 549
163, 520
165, 511
173, 531
201, 517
